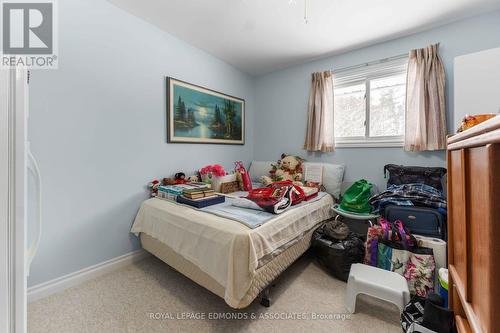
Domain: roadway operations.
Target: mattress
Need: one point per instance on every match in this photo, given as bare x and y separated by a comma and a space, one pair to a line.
228, 252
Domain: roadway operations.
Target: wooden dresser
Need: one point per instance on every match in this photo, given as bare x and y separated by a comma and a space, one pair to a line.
474, 227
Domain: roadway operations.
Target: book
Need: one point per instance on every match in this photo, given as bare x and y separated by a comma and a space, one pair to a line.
308, 191
199, 193
198, 184
201, 202
192, 192
196, 189
196, 195
170, 189
313, 173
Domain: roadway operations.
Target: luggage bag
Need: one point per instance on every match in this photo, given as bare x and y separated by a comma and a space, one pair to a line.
419, 220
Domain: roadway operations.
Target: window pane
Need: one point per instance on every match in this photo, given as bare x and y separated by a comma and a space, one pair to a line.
387, 106
350, 111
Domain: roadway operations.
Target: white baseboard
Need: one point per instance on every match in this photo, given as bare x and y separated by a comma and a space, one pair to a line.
59, 284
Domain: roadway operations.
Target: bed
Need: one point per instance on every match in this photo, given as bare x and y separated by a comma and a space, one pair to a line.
226, 257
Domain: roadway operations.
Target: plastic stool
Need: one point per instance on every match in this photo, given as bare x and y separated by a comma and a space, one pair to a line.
376, 282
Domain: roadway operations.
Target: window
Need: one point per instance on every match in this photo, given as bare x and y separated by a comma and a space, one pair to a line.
370, 105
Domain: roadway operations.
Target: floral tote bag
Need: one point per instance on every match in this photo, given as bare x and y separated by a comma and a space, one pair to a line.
420, 270
398, 252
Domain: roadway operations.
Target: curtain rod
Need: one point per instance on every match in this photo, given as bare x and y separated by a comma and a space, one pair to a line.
380, 61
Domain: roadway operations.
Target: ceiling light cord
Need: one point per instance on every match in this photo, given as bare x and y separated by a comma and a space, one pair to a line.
306, 14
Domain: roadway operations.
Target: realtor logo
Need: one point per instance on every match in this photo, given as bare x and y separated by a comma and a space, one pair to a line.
28, 34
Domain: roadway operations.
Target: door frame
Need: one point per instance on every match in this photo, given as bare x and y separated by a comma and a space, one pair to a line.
13, 125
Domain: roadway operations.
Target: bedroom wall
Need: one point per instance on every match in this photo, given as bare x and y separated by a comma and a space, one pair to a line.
281, 98
97, 128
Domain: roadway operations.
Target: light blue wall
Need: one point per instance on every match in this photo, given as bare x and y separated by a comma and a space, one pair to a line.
97, 124
97, 128
281, 98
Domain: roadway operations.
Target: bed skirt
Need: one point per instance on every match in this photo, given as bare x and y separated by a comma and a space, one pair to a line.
262, 278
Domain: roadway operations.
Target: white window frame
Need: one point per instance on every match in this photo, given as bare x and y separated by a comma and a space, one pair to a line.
364, 74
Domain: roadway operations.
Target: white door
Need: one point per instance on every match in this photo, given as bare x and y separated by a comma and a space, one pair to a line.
13, 112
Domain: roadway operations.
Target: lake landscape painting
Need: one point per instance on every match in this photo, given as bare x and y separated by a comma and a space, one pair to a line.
199, 115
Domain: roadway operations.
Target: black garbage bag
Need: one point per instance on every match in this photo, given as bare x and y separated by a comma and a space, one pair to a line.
335, 254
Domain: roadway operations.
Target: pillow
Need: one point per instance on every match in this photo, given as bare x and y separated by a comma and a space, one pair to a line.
259, 169
333, 174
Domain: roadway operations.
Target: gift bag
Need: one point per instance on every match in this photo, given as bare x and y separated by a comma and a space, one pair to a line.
393, 251
392, 257
394, 248
374, 234
245, 177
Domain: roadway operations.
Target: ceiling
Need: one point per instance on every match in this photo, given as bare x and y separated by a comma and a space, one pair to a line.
259, 36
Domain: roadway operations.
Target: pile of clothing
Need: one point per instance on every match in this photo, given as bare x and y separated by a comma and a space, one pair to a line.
409, 195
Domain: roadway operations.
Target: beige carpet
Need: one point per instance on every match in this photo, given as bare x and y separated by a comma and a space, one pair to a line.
124, 301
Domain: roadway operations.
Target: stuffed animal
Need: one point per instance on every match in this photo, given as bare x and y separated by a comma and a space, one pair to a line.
194, 179
153, 187
168, 181
289, 167
180, 178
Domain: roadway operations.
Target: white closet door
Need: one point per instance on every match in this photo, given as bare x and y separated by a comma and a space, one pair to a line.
477, 78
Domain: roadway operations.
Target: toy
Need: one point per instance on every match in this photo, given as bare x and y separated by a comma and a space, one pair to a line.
168, 181
289, 167
471, 121
194, 179
180, 178
153, 187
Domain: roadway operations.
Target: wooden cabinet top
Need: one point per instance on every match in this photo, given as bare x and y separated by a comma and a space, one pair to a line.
479, 135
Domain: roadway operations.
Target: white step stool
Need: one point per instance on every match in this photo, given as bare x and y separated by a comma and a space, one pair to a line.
376, 282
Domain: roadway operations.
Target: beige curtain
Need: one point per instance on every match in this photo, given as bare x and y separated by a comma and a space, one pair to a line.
425, 101
319, 133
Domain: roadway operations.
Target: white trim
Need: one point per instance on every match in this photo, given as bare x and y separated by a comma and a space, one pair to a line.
370, 72
70, 280
5, 267
370, 143
13, 109
21, 112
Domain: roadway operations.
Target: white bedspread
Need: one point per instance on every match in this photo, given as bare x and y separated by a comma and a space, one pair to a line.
226, 250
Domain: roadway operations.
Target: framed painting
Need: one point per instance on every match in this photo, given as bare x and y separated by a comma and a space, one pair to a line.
200, 115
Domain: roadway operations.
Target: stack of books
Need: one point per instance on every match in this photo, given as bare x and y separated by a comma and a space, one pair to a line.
171, 192
198, 193
200, 197
201, 202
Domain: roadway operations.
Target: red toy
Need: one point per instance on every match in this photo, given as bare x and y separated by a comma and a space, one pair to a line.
153, 187
245, 177
180, 178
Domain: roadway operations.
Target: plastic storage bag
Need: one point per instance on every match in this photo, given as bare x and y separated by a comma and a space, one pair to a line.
337, 255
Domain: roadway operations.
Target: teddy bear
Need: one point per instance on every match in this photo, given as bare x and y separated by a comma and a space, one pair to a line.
289, 167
